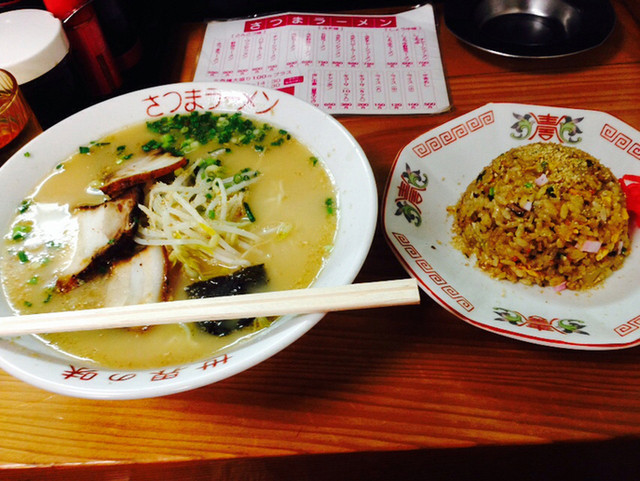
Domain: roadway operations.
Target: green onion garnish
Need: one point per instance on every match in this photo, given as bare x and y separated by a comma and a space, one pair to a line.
329, 205
20, 232
250, 215
24, 206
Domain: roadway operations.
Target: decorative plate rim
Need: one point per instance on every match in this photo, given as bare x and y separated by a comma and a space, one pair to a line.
418, 263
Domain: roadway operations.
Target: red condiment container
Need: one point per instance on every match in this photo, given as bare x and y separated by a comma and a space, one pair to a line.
35, 49
88, 44
18, 125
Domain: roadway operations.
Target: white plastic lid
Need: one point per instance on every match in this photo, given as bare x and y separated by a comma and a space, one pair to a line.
32, 42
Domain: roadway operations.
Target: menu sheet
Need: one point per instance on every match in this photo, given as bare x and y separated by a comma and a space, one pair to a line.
361, 64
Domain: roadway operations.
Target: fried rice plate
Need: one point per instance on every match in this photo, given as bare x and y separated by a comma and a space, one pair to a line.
544, 214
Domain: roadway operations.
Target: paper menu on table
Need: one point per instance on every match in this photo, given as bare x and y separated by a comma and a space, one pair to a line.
364, 64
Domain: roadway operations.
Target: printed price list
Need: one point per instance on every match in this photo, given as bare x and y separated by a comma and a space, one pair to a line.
339, 63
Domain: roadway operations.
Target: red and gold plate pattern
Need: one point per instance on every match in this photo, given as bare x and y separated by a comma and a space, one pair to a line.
431, 173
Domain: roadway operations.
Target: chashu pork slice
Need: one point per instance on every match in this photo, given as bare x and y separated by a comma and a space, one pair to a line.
143, 169
141, 279
100, 228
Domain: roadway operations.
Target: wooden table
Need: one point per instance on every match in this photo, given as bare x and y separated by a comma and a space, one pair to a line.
394, 393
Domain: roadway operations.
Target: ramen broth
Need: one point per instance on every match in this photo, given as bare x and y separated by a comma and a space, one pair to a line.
293, 190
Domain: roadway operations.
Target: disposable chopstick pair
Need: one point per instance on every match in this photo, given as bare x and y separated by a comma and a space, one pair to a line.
297, 301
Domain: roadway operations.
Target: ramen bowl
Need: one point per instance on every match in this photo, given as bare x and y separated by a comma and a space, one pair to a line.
31, 360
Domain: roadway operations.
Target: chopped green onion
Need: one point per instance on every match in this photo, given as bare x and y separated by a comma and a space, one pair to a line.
283, 230
84, 150
167, 141
200, 128
24, 206
23, 257
20, 232
209, 162
151, 145
329, 205
250, 215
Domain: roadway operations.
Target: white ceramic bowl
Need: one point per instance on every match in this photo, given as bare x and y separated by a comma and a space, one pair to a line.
31, 361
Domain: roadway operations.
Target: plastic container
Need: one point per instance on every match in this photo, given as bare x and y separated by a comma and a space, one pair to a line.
88, 44
35, 49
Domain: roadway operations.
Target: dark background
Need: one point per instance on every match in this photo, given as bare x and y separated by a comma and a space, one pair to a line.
152, 26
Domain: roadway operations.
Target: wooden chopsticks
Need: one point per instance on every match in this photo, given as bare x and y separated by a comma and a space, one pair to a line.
297, 301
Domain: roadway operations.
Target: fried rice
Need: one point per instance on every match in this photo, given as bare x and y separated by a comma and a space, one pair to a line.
544, 214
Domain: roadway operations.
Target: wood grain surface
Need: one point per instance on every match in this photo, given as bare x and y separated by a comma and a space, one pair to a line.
394, 393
